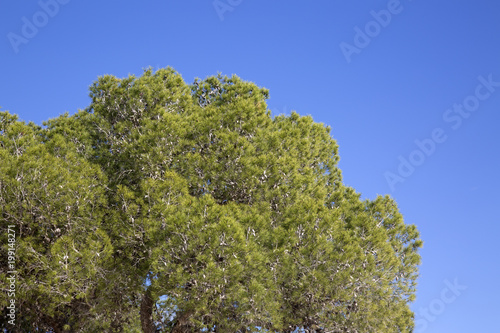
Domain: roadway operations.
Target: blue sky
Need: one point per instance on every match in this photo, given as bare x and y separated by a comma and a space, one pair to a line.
383, 74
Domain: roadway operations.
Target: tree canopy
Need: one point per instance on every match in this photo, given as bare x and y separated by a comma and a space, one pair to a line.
174, 207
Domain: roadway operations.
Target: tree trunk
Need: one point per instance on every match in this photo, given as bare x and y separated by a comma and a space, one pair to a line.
182, 324
147, 313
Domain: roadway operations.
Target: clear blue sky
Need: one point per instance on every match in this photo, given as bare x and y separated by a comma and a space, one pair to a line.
381, 90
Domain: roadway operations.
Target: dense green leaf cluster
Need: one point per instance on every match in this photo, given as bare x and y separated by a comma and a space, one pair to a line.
172, 207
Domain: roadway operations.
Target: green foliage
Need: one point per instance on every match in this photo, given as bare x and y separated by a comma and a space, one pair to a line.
186, 207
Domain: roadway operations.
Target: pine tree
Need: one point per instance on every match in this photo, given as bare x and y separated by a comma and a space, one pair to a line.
172, 207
